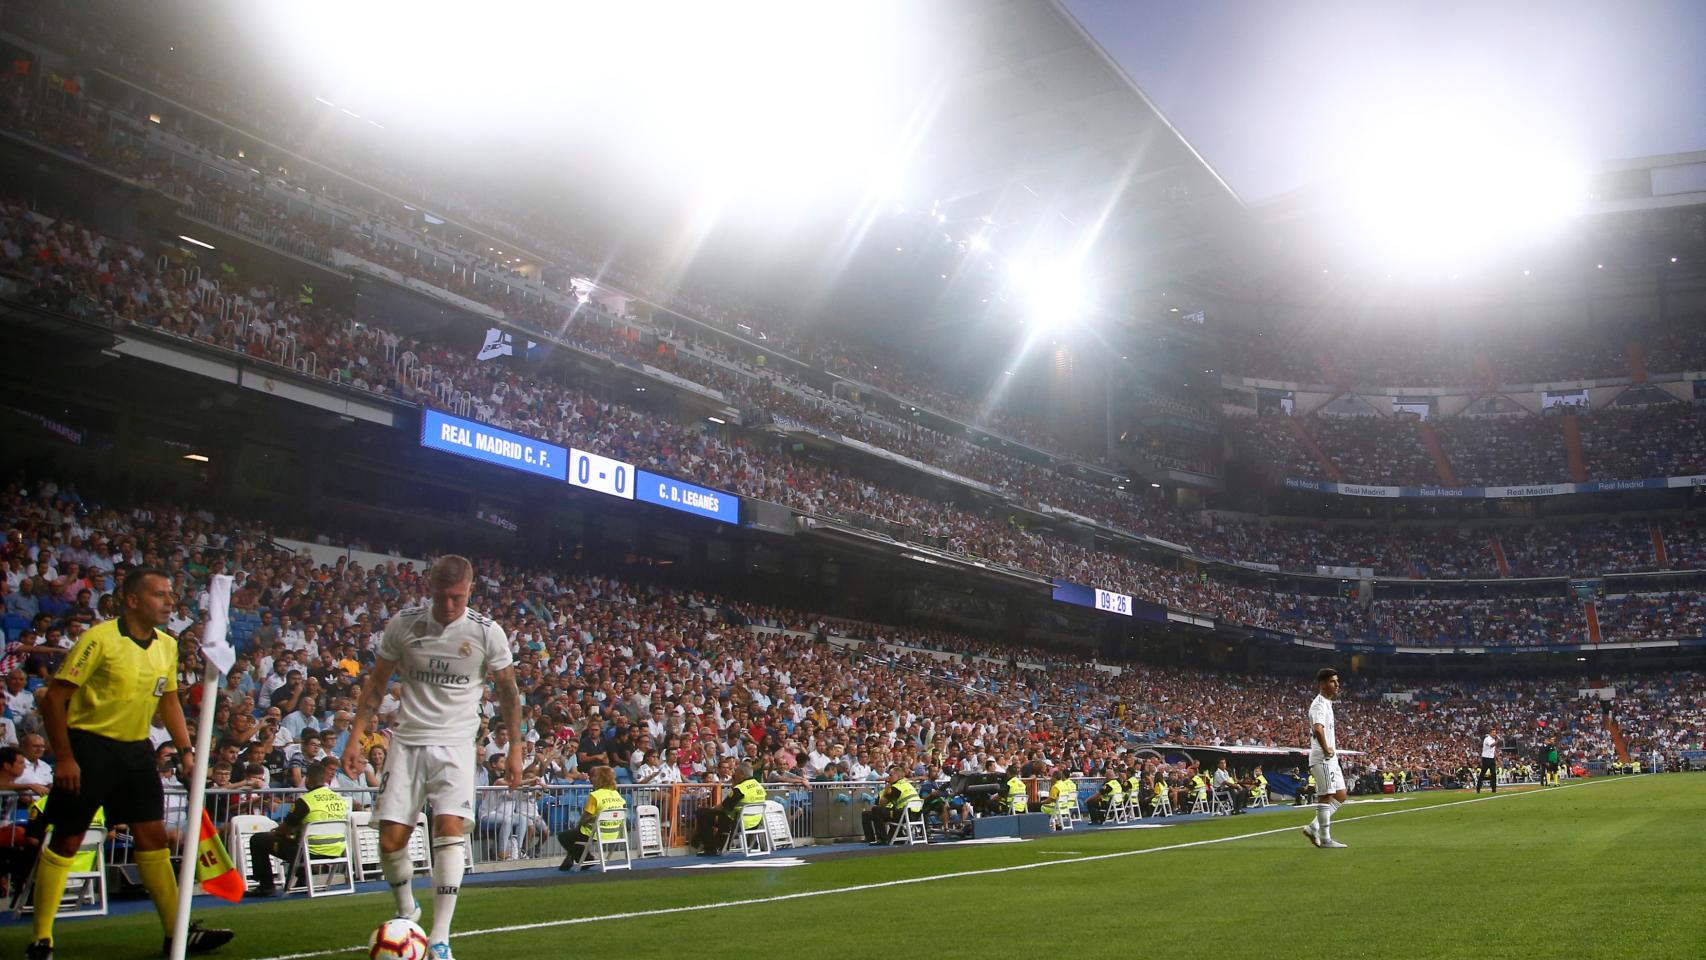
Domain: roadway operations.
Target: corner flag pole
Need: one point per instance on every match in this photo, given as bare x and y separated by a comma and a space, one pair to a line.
219, 658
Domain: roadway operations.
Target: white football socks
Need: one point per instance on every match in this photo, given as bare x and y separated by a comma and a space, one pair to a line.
449, 860
398, 872
1324, 818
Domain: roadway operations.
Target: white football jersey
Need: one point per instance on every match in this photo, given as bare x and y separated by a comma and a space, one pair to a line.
1321, 711
443, 672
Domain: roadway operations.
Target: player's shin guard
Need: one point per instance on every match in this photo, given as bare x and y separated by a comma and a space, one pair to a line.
51, 873
449, 859
399, 870
155, 868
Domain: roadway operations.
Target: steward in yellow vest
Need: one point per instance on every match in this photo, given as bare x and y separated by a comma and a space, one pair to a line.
892, 804
1017, 799
1109, 796
604, 798
318, 805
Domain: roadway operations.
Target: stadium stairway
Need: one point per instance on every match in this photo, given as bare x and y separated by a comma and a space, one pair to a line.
1573, 448
1635, 358
1616, 732
1659, 545
1307, 441
1499, 554
1590, 612
1442, 463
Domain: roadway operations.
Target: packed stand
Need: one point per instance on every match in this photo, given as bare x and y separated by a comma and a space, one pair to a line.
1505, 450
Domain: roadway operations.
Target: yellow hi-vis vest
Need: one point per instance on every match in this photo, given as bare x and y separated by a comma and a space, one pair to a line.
601, 800
324, 806
1260, 788
1018, 801
1116, 790
904, 793
1061, 793
751, 792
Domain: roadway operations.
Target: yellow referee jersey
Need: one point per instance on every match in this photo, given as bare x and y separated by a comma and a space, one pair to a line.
119, 684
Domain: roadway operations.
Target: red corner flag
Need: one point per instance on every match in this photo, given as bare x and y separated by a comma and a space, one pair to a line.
213, 868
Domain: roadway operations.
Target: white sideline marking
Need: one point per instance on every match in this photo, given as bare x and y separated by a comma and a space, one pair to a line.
908, 881
767, 862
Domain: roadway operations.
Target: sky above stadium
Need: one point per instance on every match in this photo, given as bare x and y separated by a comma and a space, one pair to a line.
1276, 95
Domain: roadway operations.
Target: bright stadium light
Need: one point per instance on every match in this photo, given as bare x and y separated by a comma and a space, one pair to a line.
1441, 186
1053, 296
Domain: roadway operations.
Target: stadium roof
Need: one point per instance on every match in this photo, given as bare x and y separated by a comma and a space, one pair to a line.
1038, 130
1043, 119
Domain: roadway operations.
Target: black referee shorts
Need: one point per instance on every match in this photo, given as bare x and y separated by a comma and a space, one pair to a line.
116, 775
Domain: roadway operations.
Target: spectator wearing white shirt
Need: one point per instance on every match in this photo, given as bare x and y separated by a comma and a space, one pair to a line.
36, 770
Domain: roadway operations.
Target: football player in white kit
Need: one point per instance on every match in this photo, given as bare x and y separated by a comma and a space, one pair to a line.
442, 653
1323, 762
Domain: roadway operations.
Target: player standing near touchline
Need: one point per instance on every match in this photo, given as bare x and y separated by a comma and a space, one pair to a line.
1489, 760
1323, 762
443, 652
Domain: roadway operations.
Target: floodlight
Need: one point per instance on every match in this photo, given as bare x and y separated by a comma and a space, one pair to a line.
1441, 185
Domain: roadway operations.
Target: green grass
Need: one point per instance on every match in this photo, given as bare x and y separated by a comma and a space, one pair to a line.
1599, 869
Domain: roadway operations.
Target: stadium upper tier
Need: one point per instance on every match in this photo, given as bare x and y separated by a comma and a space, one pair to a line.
69, 269
1486, 356
698, 676
41, 110
1661, 439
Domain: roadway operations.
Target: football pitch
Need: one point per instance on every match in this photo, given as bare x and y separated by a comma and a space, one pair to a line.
1597, 868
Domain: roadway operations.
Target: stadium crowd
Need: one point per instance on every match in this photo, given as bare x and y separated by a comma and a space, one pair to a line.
80, 29
1484, 355
1617, 443
1366, 450
670, 686
74, 270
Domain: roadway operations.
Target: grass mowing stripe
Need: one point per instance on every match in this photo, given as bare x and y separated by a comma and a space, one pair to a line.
986, 871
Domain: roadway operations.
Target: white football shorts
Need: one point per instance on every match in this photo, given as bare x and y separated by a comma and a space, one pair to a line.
1329, 778
417, 775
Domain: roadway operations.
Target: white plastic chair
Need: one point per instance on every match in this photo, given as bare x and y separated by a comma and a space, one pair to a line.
336, 874
237, 834
420, 852
910, 828
85, 890
1163, 805
776, 820
751, 841
1060, 818
648, 830
609, 837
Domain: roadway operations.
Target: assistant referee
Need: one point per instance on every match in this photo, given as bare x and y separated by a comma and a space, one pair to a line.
115, 678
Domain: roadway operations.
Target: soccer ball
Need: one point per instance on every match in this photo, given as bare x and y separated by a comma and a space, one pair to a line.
397, 939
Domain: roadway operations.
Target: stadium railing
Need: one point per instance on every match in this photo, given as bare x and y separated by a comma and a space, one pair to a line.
525, 822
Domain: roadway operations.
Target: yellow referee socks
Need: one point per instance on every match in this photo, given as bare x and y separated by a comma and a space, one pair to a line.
155, 866
51, 872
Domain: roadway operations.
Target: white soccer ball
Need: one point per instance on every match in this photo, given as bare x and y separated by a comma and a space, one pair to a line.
397, 940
